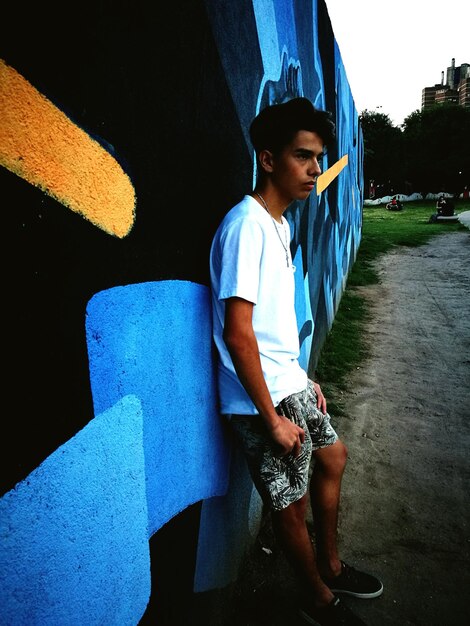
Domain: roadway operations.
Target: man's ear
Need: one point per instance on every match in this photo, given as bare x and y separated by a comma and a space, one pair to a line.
266, 160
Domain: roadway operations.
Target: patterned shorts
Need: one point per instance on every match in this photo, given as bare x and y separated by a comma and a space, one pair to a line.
281, 481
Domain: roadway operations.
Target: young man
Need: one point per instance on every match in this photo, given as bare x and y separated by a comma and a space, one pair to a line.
277, 414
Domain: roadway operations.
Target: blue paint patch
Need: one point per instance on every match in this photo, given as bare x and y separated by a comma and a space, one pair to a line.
154, 340
68, 547
229, 526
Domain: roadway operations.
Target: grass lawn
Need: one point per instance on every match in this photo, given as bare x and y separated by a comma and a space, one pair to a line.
344, 348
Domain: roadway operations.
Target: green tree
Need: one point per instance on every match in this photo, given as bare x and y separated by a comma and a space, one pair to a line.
437, 148
383, 152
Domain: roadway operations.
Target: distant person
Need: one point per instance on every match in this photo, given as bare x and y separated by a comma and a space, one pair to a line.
444, 208
440, 204
394, 204
277, 414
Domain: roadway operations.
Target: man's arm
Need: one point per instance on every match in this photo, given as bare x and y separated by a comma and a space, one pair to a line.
242, 345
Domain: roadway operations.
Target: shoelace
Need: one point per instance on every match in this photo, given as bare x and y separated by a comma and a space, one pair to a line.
348, 571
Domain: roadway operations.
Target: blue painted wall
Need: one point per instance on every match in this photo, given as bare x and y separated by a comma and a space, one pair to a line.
116, 439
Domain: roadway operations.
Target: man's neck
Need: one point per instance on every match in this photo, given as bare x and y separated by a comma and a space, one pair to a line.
270, 202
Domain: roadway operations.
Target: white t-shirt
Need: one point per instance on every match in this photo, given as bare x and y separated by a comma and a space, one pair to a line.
248, 261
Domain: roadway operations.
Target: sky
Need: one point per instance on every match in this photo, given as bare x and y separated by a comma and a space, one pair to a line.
392, 50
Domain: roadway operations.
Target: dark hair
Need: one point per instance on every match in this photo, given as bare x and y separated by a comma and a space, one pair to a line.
275, 126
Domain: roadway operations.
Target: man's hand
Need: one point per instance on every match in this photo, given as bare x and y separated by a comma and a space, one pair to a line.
321, 400
287, 436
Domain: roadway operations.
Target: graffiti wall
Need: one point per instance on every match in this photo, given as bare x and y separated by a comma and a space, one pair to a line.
123, 142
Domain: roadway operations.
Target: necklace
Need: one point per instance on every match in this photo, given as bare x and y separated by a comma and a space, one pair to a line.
284, 245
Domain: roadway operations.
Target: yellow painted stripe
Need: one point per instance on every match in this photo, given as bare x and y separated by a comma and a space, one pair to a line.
331, 173
39, 143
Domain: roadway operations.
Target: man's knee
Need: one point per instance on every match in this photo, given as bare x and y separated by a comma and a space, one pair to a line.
340, 455
343, 451
293, 513
333, 458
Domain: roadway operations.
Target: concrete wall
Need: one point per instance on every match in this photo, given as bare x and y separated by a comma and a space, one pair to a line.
123, 142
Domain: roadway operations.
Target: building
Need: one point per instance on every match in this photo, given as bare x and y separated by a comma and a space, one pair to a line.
455, 89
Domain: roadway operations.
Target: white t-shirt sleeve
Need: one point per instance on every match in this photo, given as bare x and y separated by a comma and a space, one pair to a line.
241, 250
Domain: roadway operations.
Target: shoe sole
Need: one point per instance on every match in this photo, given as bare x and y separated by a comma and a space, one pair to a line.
354, 594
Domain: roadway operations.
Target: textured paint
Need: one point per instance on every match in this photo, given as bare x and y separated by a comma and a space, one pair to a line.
67, 553
42, 145
153, 340
229, 526
143, 458
331, 173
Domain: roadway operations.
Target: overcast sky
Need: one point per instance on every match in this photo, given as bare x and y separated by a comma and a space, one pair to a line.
392, 50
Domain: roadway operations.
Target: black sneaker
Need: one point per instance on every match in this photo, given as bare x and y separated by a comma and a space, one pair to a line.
355, 583
335, 614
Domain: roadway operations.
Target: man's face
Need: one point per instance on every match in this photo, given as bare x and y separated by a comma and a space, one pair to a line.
296, 168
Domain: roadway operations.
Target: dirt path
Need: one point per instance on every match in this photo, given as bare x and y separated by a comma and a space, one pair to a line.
405, 510
406, 502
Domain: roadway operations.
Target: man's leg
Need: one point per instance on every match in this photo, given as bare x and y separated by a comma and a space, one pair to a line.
291, 531
318, 604
325, 490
